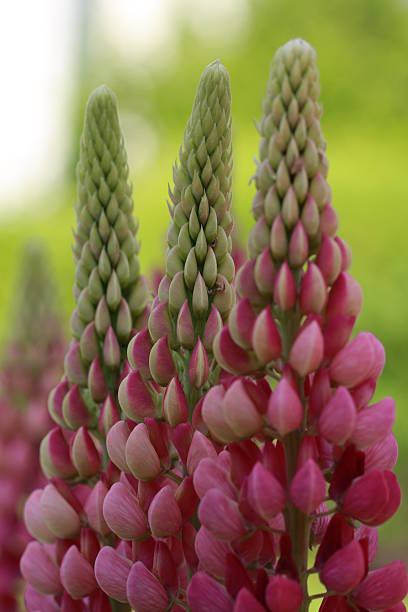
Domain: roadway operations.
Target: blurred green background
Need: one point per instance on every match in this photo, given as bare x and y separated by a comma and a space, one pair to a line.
152, 55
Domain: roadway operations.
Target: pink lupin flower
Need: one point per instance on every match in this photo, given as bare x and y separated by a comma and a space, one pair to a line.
77, 575
108, 416
374, 423
111, 349
85, 455
345, 297
284, 292
55, 400
141, 456
231, 356
200, 448
186, 498
212, 327
94, 509
221, 515
34, 520
285, 410
356, 361
135, 397
185, 328
175, 406
383, 455
266, 340
329, 259
210, 474
366, 497
111, 572
283, 594
55, 457
306, 353
245, 283
214, 417
240, 411
160, 362
336, 334
138, 352
96, 381
264, 272
345, 569
116, 444
338, 419
74, 366
211, 553
308, 487
241, 322
39, 570
204, 594
329, 221
58, 514
123, 513
383, 588
160, 323
144, 591
74, 410
298, 246
33, 601
198, 368
245, 601
313, 291
164, 514
265, 493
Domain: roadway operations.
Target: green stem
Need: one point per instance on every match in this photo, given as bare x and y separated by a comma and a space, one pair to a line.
116, 606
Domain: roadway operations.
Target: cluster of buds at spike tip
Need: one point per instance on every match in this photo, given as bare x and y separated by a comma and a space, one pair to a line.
31, 365
112, 304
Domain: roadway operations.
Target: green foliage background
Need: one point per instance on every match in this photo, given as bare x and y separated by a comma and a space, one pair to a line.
362, 48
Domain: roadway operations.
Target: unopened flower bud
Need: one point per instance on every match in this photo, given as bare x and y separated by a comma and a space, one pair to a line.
213, 415
345, 297
175, 406
266, 340
77, 575
185, 328
198, 368
34, 520
96, 381
111, 572
264, 272
160, 323
383, 588
138, 352
89, 343
345, 569
338, 418
278, 239
108, 416
59, 516
141, 456
94, 508
200, 447
231, 356
74, 409
39, 570
160, 362
240, 411
356, 361
135, 397
284, 292
313, 291
241, 322
329, 259
111, 350
308, 487
298, 246
205, 593
144, 591
374, 423
116, 444
310, 217
221, 516
306, 353
54, 455
211, 553
265, 493
74, 366
164, 514
285, 410
283, 593
84, 453
123, 514
212, 328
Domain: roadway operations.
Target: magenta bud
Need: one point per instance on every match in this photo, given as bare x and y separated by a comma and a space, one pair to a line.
160, 323
329, 259
109, 415
138, 352
204, 593
346, 297
164, 514
308, 487
320, 393
283, 594
245, 601
74, 366
77, 575
285, 410
55, 456
345, 569
241, 322
198, 368
357, 361
161, 362
210, 474
329, 221
264, 273
374, 423
212, 328
363, 393
245, 283
338, 419
116, 444
111, 572
175, 406
185, 328
313, 291
266, 340
265, 493
213, 415
211, 553
33, 601
123, 514
135, 397
284, 292
306, 353
144, 591
346, 254
298, 246
181, 437
200, 448
186, 498
366, 497
39, 570
336, 334
383, 455
111, 350
94, 509
58, 514
240, 411
55, 400
221, 516
232, 357
85, 455
34, 520
141, 456
74, 409
383, 588
96, 381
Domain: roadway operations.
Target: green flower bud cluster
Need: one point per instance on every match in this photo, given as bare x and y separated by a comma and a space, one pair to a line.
198, 261
291, 174
111, 295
